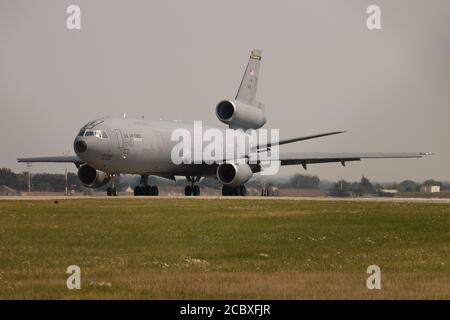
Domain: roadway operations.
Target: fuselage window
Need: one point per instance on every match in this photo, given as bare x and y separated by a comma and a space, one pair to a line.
104, 135
81, 133
89, 133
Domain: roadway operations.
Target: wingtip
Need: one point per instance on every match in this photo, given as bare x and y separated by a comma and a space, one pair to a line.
338, 132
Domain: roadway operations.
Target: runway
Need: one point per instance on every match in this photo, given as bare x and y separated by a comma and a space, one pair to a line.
149, 198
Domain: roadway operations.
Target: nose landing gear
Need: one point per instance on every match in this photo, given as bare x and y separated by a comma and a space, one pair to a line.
192, 189
112, 191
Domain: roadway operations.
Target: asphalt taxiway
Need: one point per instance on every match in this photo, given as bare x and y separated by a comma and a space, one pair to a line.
374, 199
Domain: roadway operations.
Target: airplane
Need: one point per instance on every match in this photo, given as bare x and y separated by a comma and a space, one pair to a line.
108, 147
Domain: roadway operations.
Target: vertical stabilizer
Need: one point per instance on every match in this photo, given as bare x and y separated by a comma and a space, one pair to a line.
249, 83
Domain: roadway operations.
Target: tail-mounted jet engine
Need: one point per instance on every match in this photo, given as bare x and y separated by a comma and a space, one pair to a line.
240, 115
230, 174
92, 178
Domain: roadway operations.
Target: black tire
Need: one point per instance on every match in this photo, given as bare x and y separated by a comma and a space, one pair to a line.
146, 190
187, 191
242, 191
227, 191
138, 191
114, 192
109, 191
196, 190
155, 191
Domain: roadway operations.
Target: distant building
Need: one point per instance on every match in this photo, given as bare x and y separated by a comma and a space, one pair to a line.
430, 189
7, 191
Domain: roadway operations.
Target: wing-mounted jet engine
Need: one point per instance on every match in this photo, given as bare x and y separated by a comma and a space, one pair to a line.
230, 174
92, 178
233, 177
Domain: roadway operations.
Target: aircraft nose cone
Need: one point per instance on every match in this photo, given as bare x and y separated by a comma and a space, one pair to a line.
80, 146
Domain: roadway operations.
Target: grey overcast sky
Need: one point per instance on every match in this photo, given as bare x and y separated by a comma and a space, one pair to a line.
322, 70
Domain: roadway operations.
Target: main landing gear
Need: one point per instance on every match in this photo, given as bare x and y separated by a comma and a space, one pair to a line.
192, 189
234, 191
112, 191
144, 189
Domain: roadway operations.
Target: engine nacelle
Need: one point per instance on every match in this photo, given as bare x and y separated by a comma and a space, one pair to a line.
234, 175
91, 177
240, 115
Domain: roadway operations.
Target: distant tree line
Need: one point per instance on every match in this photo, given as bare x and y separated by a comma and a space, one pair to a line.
56, 182
49, 182
411, 186
365, 187
344, 188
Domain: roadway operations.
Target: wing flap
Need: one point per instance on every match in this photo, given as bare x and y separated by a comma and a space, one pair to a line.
304, 158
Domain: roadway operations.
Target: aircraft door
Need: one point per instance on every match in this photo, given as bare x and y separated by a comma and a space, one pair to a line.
122, 142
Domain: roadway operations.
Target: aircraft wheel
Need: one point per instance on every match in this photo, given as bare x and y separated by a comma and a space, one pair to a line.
109, 191
188, 191
114, 192
227, 191
147, 191
242, 191
138, 191
196, 190
154, 191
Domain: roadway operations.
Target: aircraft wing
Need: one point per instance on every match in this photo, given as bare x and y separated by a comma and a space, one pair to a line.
295, 139
305, 158
56, 159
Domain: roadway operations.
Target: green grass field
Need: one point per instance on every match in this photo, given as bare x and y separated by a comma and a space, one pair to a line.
223, 249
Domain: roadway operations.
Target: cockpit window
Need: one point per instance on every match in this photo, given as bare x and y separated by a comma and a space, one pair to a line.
101, 134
